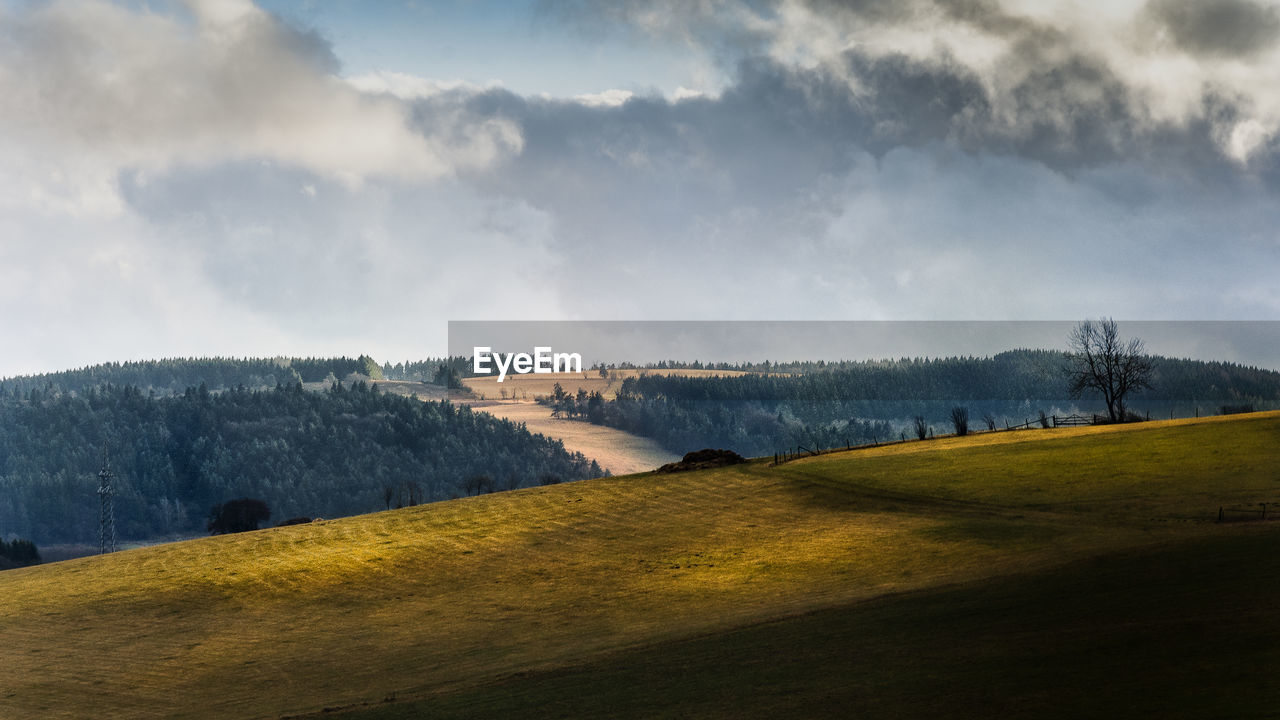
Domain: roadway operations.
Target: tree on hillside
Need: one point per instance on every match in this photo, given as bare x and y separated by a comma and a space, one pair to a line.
479, 485
921, 427
239, 515
370, 367
1098, 359
447, 376
18, 554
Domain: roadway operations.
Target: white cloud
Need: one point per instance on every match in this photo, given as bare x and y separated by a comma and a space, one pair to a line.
412, 87
104, 88
1246, 137
684, 93
1165, 57
297, 213
608, 98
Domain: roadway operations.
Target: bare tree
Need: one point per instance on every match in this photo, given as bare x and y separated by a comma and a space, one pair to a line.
1098, 359
960, 419
921, 427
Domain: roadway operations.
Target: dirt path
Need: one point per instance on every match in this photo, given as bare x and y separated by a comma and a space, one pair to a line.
621, 453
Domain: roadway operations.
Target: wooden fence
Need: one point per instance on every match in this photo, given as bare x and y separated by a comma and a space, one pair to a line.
1244, 514
1073, 420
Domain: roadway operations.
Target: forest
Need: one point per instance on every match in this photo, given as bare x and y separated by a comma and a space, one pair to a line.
174, 375
346, 450
810, 405
184, 435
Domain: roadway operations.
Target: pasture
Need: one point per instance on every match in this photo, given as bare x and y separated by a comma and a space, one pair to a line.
954, 551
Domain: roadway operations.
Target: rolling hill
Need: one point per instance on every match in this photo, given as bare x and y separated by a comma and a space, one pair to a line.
1034, 573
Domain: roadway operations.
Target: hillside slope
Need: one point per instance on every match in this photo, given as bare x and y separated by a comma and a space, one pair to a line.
621, 453
454, 597
1183, 630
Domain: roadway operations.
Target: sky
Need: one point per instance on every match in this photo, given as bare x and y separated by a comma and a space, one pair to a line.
201, 177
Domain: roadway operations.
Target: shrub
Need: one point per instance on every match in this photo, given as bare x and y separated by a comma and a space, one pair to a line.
921, 427
239, 515
18, 553
479, 485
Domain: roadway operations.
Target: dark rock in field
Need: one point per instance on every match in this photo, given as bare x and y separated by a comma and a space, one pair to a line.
703, 459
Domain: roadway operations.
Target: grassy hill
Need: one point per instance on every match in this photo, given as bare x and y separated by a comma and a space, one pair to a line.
1049, 570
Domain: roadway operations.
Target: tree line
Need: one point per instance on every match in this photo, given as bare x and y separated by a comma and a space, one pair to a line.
856, 402
446, 372
173, 375
342, 451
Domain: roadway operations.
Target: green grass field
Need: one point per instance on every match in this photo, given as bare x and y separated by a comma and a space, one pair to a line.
1031, 573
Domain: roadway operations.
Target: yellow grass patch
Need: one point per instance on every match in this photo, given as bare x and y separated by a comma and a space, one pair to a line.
457, 594
620, 452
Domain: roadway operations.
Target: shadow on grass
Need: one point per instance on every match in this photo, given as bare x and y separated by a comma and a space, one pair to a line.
1188, 630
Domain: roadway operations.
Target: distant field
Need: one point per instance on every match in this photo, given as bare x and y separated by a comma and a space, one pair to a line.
620, 452
1020, 574
530, 386
409, 388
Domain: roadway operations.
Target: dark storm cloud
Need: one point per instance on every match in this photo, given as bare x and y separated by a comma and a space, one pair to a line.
1048, 94
913, 198
1067, 113
1226, 28
986, 15
777, 130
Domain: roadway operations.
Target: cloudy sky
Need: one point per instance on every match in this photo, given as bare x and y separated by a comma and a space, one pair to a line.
217, 177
